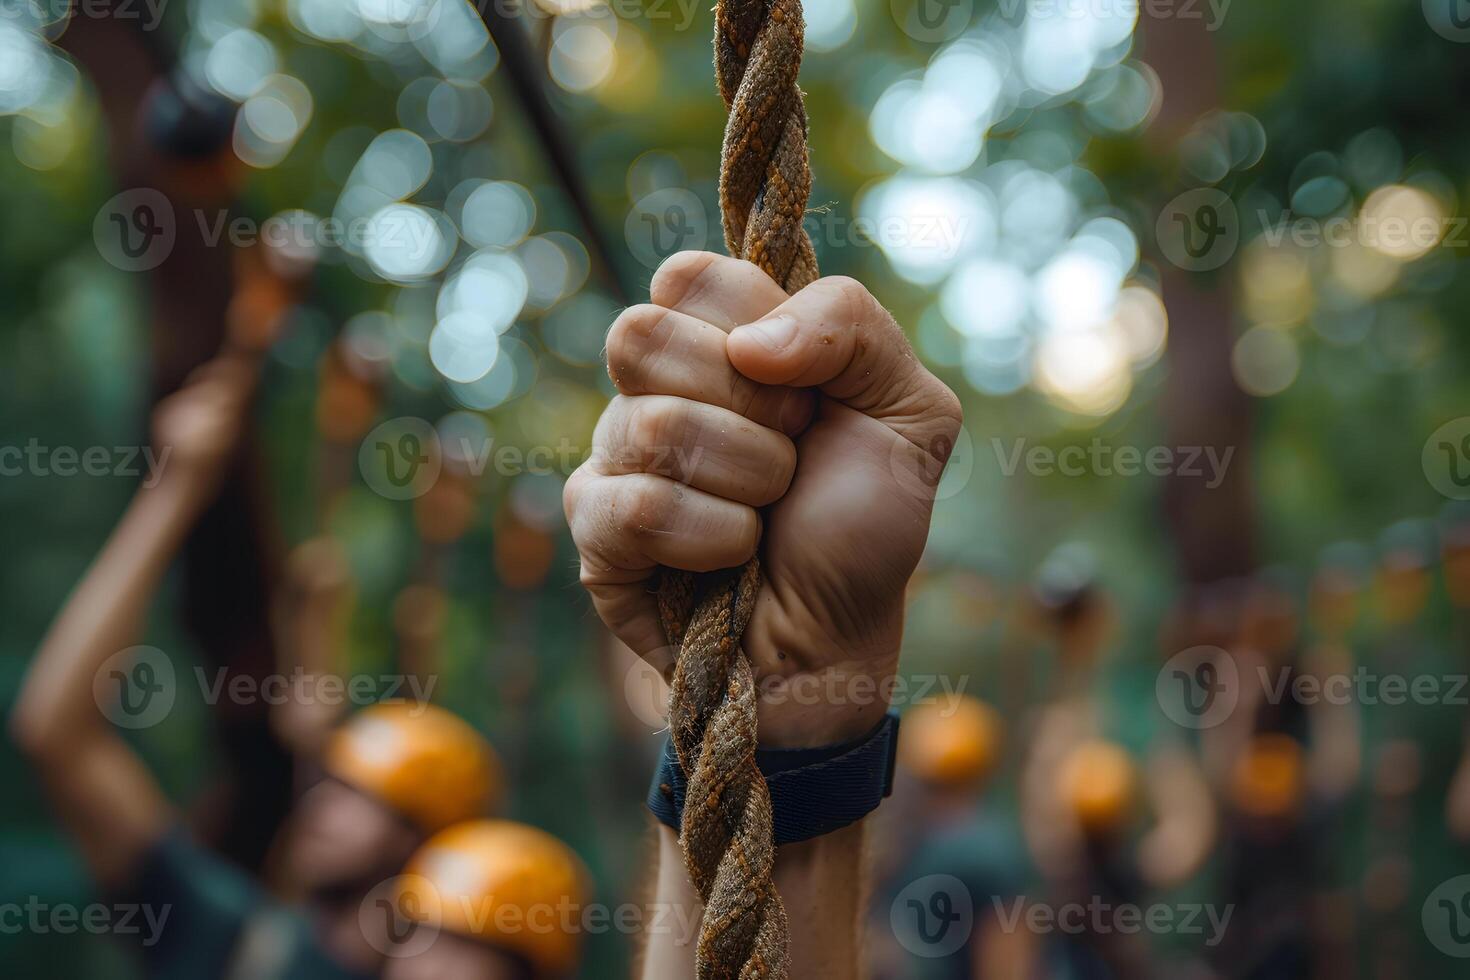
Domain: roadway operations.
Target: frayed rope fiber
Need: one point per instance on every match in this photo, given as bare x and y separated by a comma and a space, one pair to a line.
725, 833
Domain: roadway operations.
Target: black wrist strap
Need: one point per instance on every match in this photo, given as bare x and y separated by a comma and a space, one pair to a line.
813, 791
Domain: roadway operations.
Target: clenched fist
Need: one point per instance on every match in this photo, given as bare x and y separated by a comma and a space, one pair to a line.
198, 427
803, 427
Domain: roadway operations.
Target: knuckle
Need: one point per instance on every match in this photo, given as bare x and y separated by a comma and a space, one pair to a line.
653, 424
647, 507
849, 295
746, 397
678, 276
781, 471
747, 537
585, 502
947, 417
571, 492
627, 344
591, 577
947, 408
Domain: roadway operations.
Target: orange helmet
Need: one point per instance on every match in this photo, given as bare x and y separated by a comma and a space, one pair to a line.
1268, 778
421, 760
1098, 785
954, 741
512, 886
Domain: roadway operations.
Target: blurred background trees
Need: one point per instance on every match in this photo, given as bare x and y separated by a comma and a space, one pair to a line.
1005, 176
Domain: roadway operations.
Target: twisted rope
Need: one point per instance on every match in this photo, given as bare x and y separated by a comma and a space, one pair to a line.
765, 180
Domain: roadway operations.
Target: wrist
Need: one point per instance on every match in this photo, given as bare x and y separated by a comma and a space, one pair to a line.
813, 791
831, 706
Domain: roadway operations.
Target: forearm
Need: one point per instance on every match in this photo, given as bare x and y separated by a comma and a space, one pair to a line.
104, 615
821, 883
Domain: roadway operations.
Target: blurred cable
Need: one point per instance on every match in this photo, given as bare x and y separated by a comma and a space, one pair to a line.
528, 82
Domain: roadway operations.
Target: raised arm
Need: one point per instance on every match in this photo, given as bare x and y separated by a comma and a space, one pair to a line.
803, 426
102, 792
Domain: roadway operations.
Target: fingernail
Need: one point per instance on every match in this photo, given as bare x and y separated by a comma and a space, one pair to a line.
775, 334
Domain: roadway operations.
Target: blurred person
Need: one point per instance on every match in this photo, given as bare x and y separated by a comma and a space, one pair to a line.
1070, 605
397, 772
1392, 920
951, 748
1264, 645
490, 900
1067, 623
1272, 660
1079, 813
1269, 863
1335, 763
310, 615
1105, 834
1282, 763
420, 613
1073, 722
813, 435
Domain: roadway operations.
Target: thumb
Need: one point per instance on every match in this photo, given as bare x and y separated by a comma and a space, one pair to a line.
835, 336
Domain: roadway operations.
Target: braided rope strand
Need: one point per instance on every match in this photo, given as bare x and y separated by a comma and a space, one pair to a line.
726, 829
